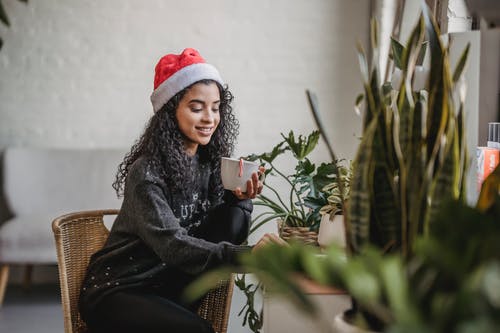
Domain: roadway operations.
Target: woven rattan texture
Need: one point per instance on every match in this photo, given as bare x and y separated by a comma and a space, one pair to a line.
78, 236
216, 305
300, 234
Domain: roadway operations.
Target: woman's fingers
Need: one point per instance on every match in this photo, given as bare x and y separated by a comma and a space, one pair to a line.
269, 239
257, 184
250, 189
254, 186
238, 193
273, 238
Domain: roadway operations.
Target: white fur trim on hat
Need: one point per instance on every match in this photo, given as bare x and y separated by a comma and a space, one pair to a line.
181, 79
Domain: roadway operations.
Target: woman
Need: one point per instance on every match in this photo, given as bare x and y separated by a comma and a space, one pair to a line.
176, 221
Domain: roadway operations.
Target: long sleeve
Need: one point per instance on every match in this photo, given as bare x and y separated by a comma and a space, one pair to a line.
158, 227
149, 242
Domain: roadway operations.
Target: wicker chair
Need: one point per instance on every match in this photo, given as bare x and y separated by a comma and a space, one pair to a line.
78, 235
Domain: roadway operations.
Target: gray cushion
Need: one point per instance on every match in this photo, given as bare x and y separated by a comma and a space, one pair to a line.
42, 184
28, 239
60, 180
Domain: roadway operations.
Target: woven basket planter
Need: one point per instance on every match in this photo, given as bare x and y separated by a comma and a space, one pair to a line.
300, 234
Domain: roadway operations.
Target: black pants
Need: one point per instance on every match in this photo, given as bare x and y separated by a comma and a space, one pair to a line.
148, 311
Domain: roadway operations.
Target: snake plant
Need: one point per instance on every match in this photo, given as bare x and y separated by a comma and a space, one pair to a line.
412, 155
409, 166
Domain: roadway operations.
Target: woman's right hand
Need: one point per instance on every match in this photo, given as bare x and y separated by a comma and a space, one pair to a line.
269, 239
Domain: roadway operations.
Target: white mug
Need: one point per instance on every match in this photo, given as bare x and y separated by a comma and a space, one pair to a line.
236, 172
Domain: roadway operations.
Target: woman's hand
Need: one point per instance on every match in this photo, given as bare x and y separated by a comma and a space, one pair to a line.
254, 186
269, 239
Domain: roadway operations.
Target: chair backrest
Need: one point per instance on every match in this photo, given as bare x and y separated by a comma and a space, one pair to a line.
81, 234
216, 305
77, 236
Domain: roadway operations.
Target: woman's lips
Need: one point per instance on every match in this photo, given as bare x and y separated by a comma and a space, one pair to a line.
204, 130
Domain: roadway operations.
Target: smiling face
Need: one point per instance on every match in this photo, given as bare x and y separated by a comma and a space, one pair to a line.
198, 115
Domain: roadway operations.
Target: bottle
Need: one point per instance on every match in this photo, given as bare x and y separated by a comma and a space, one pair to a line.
488, 157
493, 135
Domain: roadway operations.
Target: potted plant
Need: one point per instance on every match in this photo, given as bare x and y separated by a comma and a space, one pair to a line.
410, 162
450, 283
298, 215
412, 155
331, 229
298, 212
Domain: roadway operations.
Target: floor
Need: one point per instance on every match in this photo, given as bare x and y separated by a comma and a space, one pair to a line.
36, 310
39, 310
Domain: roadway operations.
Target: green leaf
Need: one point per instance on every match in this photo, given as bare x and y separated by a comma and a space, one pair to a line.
315, 202
302, 146
396, 286
386, 91
358, 214
268, 202
461, 64
206, 282
314, 107
363, 64
374, 33
315, 267
490, 191
397, 53
406, 117
413, 50
386, 222
442, 185
325, 174
359, 99
415, 166
270, 156
257, 224
361, 283
439, 85
304, 167
421, 54
3, 15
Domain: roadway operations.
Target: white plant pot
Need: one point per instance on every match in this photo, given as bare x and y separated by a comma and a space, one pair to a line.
331, 231
342, 326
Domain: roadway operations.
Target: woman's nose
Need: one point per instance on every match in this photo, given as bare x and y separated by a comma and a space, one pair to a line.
207, 115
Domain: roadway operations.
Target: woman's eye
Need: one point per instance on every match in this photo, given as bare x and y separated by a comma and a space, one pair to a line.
215, 110
196, 110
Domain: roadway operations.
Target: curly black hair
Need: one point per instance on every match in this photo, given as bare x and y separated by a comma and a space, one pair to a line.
163, 143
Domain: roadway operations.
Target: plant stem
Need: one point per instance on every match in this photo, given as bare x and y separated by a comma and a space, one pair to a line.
293, 191
277, 194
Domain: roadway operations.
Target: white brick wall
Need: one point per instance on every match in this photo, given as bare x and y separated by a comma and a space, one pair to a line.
459, 17
79, 73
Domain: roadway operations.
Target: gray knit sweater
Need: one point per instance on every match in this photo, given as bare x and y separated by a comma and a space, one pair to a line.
153, 234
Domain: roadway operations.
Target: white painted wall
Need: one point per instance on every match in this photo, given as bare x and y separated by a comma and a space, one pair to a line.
459, 17
79, 73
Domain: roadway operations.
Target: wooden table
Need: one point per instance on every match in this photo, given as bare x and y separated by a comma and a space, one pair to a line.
281, 316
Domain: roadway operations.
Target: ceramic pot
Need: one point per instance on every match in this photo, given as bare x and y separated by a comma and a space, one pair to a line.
331, 231
340, 325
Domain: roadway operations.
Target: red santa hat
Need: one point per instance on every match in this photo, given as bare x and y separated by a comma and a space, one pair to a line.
174, 72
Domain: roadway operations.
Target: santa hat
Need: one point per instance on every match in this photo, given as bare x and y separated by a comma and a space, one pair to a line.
174, 72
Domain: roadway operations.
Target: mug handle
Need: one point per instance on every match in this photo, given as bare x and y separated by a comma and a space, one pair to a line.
262, 177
